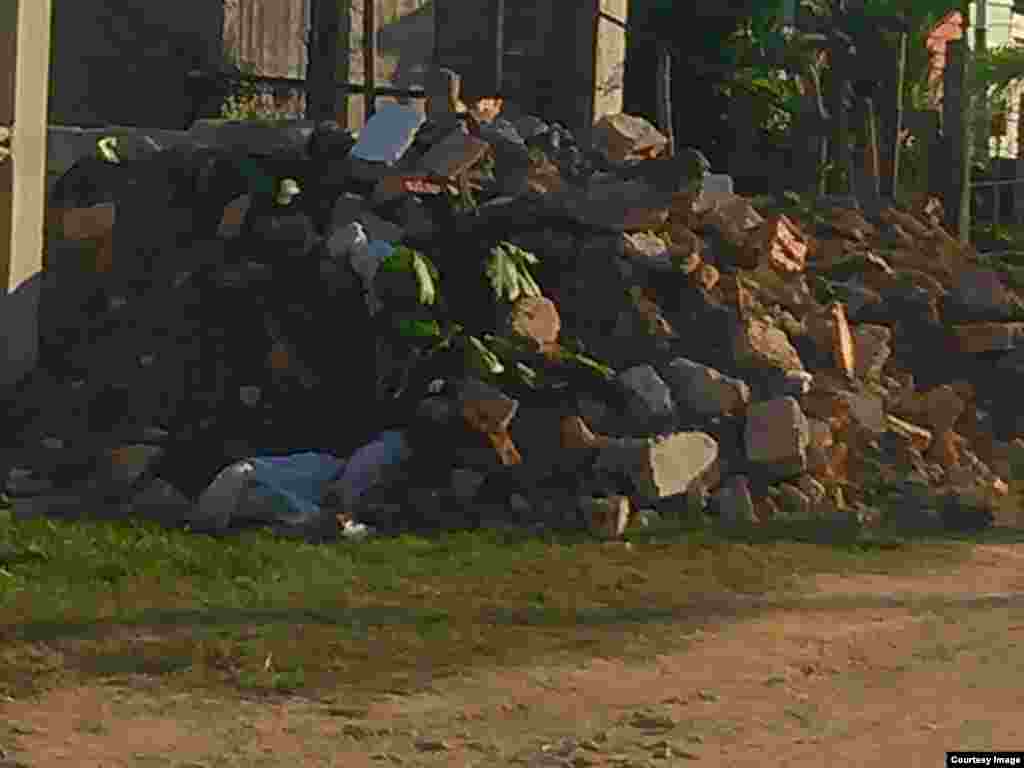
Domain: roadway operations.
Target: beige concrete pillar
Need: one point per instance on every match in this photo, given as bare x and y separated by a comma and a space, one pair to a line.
610, 57
591, 62
24, 88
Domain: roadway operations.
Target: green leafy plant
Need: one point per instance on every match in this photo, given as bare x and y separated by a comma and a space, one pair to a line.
587, 363
418, 328
508, 269
286, 190
106, 149
247, 99
404, 259
481, 359
526, 375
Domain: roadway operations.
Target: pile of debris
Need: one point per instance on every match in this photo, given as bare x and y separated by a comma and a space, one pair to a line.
458, 320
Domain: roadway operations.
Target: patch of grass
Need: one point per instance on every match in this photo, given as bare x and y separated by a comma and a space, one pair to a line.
111, 600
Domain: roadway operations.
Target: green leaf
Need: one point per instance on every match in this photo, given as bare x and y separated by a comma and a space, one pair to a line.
526, 374
399, 260
509, 272
483, 359
259, 182
403, 259
107, 149
508, 349
428, 293
589, 363
419, 329
286, 190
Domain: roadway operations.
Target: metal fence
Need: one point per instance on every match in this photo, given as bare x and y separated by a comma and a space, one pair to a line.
1006, 152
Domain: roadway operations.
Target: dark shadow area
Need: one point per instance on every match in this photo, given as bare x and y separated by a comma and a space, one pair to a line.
355, 620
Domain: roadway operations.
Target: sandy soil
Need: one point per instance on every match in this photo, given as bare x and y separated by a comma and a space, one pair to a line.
847, 678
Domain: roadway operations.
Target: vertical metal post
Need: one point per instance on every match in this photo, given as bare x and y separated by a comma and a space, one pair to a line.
370, 56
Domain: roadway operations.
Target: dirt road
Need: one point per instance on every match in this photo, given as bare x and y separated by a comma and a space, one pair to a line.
870, 671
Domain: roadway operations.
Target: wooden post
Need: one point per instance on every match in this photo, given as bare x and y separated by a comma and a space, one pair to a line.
935, 177
440, 9
665, 97
370, 57
322, 94
894, 127
839, 145
966, 146
1018, 189
496, 37
871, 149
953, 130
343, 63
24, 78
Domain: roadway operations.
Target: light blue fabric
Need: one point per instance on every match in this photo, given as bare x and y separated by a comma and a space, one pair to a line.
295, 482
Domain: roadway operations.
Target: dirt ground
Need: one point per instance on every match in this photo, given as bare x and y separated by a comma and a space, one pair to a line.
871, 670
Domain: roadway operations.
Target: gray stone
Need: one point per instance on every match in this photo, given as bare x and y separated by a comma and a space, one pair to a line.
455, 154
758, 344
796, 383
348, 209
661, 467
466, 483
873, 349
821, 441
520, 506
648, 250
500, 130
596, 414
704, 390
617, 206
856, 296
606, 517
529, 126
56, 505
777, 436
24, 482
867, 411
437, 411
497, 408
122, 468
427, 506
716, 186
981, 293
621, 137
258, 137
161, 502
795, 503
649, 399
733, 502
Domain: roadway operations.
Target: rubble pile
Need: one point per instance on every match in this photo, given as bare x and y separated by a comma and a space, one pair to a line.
464, 320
